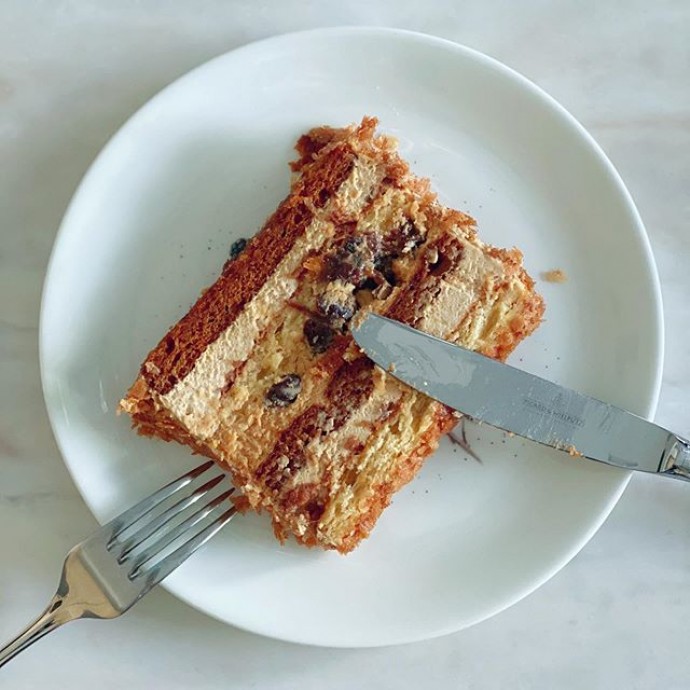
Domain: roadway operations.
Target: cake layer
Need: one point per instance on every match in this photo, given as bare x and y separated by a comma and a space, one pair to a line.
176, 355
262, 374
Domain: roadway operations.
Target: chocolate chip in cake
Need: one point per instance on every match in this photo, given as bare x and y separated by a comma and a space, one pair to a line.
405, 238
284, 392
384, 265
318, 334
351, 261
335, 311
370, 283
337, 302
347, 266
352, 244
237, 248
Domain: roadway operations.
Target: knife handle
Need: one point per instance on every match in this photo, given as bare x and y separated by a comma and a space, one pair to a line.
675, 460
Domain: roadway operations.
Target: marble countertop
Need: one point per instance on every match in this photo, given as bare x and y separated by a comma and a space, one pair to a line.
70, 74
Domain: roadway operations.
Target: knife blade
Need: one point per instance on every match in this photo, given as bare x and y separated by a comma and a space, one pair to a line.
522, 403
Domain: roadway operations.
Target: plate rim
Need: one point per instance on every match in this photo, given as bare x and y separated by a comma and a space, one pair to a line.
385, 33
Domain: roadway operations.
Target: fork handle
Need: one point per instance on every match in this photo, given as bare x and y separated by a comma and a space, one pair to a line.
55, 615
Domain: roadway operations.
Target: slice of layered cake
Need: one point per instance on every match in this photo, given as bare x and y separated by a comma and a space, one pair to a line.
262, 374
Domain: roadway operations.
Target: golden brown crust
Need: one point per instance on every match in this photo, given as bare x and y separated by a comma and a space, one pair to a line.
154, 421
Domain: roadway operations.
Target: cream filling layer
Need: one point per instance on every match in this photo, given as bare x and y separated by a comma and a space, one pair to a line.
461, 289
195, 400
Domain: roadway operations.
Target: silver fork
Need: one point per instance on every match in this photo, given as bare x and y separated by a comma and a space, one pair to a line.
110, 571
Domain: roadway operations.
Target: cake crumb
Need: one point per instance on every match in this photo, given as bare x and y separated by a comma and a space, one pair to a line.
570, 449
557, 275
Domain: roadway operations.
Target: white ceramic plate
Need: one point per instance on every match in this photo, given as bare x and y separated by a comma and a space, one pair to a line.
203, 163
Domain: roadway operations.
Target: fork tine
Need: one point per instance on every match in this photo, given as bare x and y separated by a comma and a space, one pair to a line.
182, 553
136, 512
154, 525
178, 531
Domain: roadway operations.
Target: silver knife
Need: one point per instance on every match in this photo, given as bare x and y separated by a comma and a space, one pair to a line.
522, 403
